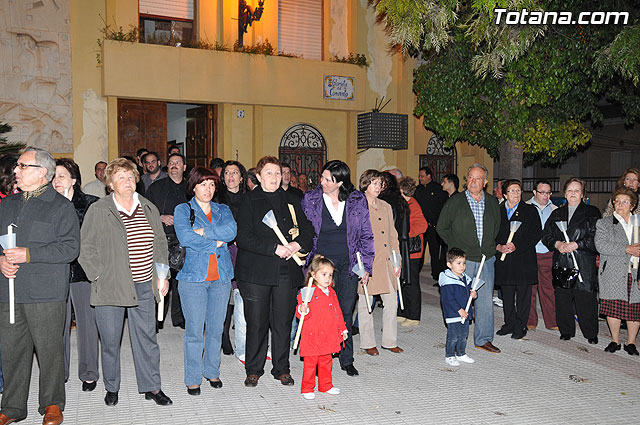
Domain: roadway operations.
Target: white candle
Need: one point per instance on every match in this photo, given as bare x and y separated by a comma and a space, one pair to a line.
12, 295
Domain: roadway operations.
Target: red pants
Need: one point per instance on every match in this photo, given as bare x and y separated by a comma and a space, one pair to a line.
324, 364
546, 291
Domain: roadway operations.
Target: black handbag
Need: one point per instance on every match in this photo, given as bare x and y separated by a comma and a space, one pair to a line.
564, 277
177, 252
415, 244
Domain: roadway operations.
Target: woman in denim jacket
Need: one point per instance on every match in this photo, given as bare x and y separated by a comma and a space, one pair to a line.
204, 227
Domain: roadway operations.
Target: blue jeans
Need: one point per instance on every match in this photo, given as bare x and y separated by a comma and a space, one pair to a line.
204, 305
483, 305
457, 339
239, 323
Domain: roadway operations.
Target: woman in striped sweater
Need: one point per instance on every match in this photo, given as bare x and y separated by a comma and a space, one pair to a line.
122, 237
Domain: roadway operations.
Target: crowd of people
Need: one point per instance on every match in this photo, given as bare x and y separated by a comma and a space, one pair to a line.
232, 248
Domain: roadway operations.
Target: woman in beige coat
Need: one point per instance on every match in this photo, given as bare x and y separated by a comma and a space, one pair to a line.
383, 279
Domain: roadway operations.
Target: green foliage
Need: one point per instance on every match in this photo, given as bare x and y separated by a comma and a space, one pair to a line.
544, 87
622, 55
357, 59
8, 147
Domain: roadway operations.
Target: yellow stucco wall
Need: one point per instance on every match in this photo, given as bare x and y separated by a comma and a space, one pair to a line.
274, 92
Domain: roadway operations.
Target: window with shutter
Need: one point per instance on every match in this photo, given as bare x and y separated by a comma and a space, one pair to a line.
166, 21
300, 28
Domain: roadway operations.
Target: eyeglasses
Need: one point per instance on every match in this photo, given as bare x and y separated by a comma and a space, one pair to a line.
621, 202
544, 192
514, 191
23, 166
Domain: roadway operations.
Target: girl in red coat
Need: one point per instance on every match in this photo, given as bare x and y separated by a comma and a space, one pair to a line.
323, 329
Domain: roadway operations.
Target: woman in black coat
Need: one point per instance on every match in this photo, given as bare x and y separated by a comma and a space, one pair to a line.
519, 270
267, 276
569, 289
67, 182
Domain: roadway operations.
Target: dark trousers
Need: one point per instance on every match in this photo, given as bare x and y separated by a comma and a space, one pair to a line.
268, 307
437, 251
411, 293
346, 287
544, 288
177, 318
38, 327
227, 347
586, 306
516, 304
86, 332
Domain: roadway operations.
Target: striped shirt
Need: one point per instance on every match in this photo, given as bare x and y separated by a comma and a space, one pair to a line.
477, 208
140, 244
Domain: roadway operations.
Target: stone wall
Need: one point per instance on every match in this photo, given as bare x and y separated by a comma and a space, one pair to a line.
35, 72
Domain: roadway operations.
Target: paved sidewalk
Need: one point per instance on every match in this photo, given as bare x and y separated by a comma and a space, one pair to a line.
529, 382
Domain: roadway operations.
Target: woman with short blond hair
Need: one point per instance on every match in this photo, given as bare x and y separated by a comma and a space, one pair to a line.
122, 238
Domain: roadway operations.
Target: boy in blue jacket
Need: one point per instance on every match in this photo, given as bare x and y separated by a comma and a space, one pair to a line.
455, 288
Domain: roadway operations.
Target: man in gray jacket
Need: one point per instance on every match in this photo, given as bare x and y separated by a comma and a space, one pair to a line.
47, 240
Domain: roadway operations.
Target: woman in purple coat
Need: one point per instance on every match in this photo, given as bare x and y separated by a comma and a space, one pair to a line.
340, 218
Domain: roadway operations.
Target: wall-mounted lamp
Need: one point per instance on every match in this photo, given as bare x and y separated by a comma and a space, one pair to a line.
246, 17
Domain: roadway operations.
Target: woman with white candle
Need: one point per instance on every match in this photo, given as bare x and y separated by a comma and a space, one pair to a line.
340, 218
619, 288
519, 269
383, 280
575, 283
204, 281
67, 182
122, 238
268, 277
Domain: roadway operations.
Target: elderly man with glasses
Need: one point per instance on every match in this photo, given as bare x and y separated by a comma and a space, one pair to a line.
47, 240
541, 200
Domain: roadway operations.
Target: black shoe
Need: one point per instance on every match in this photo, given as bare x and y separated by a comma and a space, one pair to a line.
215, 383
89, 386
613, 347
519, 334
111, 399
355, 330
504, 331
160, 398
631, 349
351, 370
565, 337
193, 391
593, 340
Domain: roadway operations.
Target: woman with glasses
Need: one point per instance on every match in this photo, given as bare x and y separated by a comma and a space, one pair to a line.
629, 179
519, 269
619, 288
575, 282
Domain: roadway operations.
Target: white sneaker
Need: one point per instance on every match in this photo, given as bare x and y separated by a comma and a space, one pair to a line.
497, 302
465, 359
451, 361
333, 391
309, 396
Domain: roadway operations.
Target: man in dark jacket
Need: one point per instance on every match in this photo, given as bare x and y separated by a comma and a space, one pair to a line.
165, 194
431, 198
47, 240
